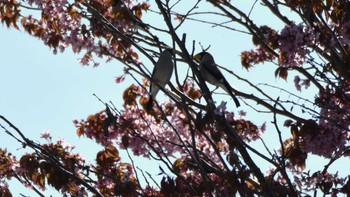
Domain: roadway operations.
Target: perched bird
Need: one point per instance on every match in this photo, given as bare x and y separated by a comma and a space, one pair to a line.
161, 74
211, 73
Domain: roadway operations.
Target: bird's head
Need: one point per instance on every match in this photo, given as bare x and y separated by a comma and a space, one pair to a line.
170, 50
167, 53
202, 55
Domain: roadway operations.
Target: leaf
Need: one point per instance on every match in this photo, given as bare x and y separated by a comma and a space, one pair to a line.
282, 72
177, 165
80, 131
40, 180
112, 152
245, 60
129, 95
138, 13
329, 3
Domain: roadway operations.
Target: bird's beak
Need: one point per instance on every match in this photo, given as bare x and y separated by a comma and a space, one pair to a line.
197, 57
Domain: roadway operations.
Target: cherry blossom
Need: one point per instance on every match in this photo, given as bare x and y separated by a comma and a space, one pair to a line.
293, 42
205, 152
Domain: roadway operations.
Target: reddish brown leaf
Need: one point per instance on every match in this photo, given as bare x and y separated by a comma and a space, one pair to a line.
281, 72
80, 131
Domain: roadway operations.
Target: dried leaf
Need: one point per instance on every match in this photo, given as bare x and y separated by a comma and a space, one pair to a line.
281, 72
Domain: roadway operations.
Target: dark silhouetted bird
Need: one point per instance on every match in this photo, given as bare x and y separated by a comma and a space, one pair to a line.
211, 73
161, 74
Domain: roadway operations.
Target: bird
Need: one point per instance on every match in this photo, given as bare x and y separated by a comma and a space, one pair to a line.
161, 74
211, 73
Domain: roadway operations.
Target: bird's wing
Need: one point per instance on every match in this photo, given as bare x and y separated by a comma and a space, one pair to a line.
162, 72
153, 88
211, 73
213, 70
218, 79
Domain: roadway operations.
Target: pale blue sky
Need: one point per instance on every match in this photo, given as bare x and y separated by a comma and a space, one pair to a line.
41, 91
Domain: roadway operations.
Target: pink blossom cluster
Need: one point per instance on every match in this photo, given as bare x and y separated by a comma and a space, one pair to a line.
299, 83
4, 188
138, 131
143, 133
317, 180
333, 134
293, 42
325, 143
220, 109
345, 33
165, 137
105, 182
62, 25
258, 55
195, 178
8, 164
246, 129
46, 135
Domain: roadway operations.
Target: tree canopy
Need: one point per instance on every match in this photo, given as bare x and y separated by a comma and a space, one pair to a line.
205, 146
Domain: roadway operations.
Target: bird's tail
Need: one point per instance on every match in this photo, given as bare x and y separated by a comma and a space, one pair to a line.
235, 99
229, 90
